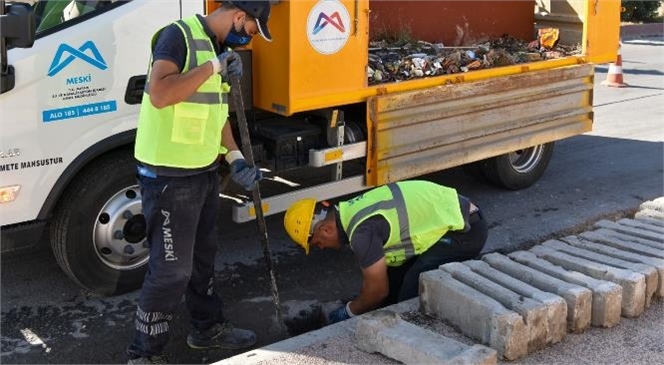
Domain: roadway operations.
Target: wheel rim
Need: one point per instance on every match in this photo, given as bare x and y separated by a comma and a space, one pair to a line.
119, 231
526, 160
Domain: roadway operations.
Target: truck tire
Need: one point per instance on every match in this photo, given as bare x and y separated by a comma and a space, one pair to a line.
517, 170
353, 133
98, 229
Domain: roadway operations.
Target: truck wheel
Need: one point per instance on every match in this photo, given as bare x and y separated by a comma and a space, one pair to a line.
519, 169
353, 133
98, 230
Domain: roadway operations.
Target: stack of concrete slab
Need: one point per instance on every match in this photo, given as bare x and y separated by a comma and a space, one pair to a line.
510, 305
520, 302
384, 331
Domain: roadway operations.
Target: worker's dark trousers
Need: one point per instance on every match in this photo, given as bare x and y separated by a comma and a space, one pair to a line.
181, 215
452, 247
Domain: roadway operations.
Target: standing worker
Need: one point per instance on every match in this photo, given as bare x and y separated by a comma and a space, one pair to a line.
182, 131
396, 231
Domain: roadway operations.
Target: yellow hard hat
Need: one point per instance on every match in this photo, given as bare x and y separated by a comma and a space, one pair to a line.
297, 222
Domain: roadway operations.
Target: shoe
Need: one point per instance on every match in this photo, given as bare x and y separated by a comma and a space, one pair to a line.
149, 360
222, 336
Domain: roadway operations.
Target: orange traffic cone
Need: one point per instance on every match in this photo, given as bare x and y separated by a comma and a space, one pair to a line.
615, 76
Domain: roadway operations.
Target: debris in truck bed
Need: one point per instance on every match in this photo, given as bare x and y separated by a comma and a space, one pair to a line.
548, 37
393, 62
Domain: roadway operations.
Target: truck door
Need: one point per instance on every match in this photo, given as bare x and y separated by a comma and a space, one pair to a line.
67, 133
44, 113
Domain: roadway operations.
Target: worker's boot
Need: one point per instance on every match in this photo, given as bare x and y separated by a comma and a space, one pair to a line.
222, 336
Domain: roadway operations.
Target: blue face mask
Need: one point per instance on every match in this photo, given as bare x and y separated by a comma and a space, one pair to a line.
237, 38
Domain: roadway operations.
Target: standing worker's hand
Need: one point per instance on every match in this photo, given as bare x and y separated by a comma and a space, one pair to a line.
227, 64
340, 314
241, 173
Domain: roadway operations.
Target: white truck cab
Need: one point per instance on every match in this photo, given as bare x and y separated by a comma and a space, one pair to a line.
70, 103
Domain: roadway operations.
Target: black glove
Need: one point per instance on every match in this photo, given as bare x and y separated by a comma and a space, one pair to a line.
229, 65
340, 314
245, 175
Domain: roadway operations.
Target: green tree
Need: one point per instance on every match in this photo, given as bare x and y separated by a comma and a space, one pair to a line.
639, 11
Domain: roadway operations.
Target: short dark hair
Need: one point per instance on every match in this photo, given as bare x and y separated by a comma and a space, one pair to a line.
227, 5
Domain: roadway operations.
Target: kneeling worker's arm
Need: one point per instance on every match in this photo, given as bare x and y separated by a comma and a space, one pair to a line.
375, 288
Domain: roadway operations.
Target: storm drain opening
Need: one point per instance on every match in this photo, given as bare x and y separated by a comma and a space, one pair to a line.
302, 317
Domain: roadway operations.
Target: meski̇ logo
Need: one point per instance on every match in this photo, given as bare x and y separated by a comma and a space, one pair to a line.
333, 19
95, 59
327, 26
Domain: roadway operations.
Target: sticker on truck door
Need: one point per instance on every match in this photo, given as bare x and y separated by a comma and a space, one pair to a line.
79, 79
328, 26
60, 61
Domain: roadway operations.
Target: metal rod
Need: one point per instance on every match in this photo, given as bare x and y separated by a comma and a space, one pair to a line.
236, 97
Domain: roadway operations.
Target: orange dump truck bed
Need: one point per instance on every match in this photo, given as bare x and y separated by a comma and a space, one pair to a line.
319, 55
318, 64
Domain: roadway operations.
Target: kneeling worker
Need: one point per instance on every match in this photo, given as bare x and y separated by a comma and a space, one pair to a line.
396, 231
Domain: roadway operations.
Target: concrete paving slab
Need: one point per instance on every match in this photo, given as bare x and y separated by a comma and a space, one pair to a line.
336, 336
636, 341
606, 296
533, 313
650, 214
658, 264
624, 242
474, 314
638, 232
633, 284
656, 228
556, 306
578, 298
649, 272
596, 346
385, 332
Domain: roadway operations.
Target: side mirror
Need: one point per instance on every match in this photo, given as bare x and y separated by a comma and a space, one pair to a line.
18, 25
17, 22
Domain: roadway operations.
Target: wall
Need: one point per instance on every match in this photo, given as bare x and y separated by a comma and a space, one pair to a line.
437, 21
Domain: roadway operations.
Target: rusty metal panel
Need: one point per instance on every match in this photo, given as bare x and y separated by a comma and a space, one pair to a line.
440, 21
414, 133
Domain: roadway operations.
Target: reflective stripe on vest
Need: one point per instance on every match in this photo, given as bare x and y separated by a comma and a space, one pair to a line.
398, 203
187, 134
419, 213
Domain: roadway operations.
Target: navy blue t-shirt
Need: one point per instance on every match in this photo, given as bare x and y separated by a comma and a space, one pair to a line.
171, 46
368, 240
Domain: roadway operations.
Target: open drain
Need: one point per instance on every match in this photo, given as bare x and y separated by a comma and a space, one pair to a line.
306, 317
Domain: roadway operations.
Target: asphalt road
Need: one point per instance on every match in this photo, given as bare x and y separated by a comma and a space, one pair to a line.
605, 173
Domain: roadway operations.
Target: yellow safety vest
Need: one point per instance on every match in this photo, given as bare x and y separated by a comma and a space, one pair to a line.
187, 134
419, 214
